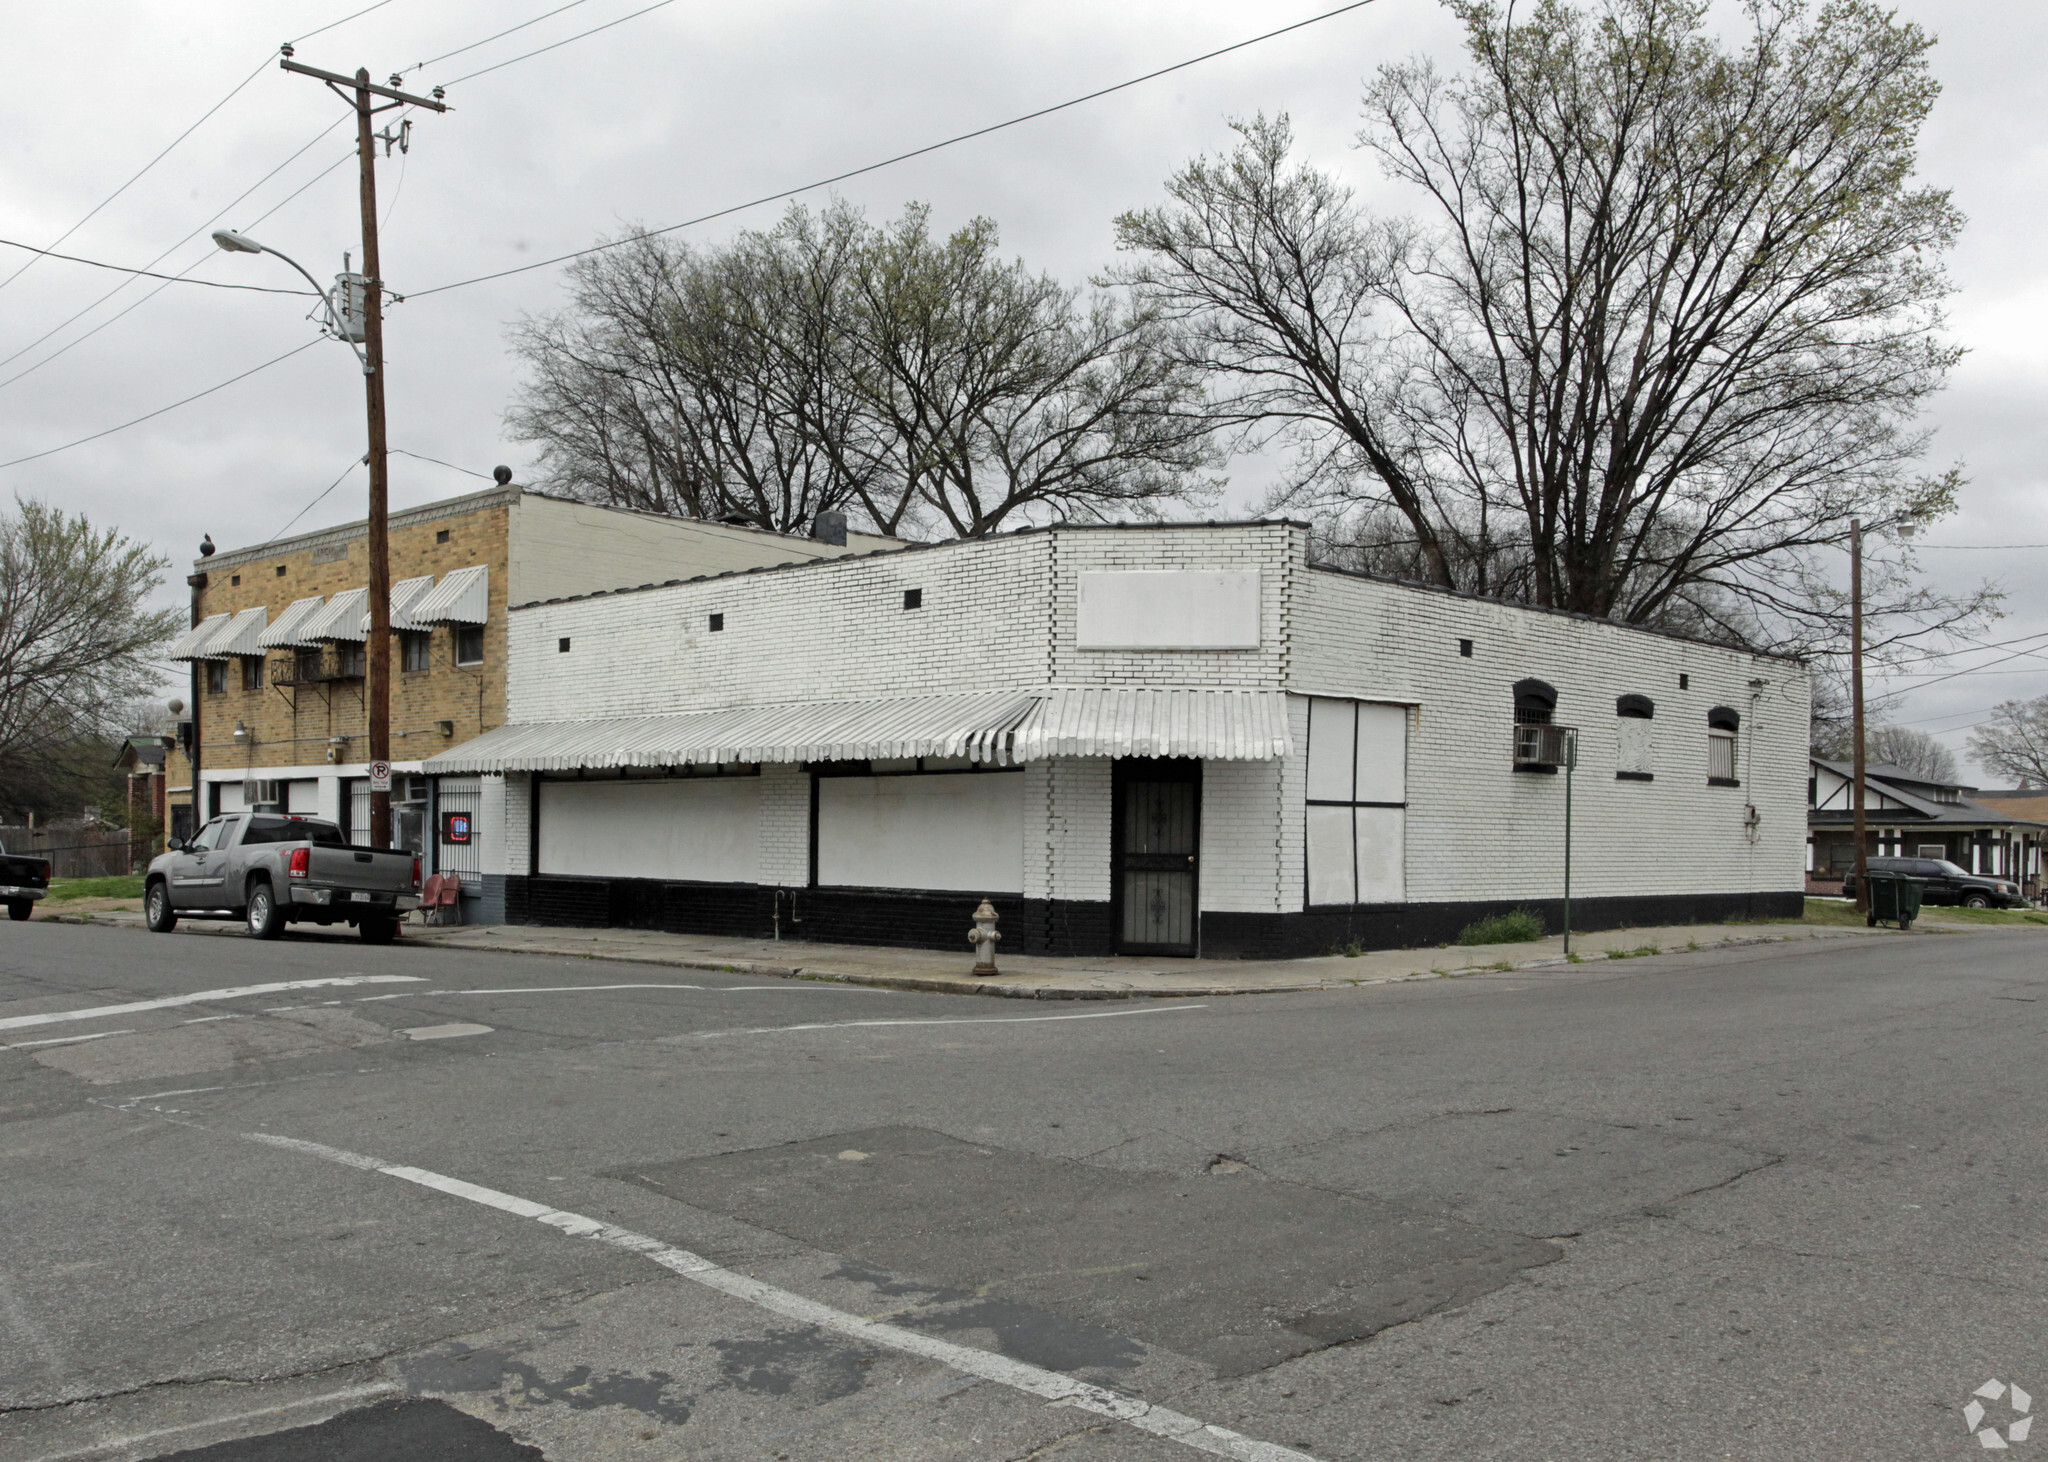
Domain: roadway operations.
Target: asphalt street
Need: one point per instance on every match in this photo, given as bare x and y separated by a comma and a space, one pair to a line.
313, 1200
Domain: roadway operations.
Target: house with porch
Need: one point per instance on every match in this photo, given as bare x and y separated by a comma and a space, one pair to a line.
1907, 815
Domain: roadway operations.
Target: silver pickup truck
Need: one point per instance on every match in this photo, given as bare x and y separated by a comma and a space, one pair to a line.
271, 870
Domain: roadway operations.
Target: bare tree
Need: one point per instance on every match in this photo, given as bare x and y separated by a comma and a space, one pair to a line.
923, 383
1911, 751
2014, 742
75, 642
1667, 326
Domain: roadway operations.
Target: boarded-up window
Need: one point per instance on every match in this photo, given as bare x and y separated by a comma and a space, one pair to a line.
1632, 734
1357, 802
961, 831
696, 828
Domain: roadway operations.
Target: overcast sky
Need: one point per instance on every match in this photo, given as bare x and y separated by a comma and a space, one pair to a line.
695, 107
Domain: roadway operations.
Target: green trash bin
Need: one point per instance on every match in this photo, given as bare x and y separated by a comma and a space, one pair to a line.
1893, 897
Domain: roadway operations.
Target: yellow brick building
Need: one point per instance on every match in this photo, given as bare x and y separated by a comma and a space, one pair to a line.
280, 655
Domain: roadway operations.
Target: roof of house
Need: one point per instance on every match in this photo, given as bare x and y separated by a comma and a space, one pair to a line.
1898, 785
142, 751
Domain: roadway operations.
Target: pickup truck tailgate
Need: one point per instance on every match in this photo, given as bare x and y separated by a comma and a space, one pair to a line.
378, 870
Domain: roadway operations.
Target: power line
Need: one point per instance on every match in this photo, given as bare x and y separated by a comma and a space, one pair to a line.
1982, 546
358, 15
470, 471
88, 309
553, 45
899, 157
148, 416
352, 466
260, 68
459, 50
147, 274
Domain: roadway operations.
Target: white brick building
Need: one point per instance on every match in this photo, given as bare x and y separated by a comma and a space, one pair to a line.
1168, 738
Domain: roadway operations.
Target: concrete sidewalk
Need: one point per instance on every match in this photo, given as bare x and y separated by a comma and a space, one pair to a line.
1045, 977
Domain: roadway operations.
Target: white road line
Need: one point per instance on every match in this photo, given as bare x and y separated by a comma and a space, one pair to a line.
199, 997
136, 1439
833, 1025
579, 989
1052, 1386
64, 1040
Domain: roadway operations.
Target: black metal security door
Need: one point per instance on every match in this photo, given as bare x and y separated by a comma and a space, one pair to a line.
1156, 838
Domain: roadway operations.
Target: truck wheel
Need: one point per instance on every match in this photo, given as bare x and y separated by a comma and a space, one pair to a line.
19, 909
1976, 901
156, 909
266, 919
377, 930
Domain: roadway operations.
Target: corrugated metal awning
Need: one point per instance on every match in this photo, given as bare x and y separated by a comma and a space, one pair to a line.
289, 630
1218, 725
1002, 728
342, 619
973, 726
237, 637
404, 595
188, 645
463, 596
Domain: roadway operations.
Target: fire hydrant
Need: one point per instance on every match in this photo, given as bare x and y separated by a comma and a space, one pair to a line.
983, 937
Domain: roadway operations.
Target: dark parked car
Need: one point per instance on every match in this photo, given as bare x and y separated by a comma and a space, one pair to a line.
22, 882
1945, 883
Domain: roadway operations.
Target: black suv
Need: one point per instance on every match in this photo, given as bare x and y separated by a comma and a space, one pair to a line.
1945, 883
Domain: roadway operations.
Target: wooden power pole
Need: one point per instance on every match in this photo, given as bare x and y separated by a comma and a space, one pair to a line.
357, 90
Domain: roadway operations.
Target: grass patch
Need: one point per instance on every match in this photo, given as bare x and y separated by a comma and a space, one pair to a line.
1836, 913
1518, 926
1639, 952
1985, 916
121, 886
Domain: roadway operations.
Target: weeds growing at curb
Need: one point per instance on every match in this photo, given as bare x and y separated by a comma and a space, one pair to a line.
1518, 926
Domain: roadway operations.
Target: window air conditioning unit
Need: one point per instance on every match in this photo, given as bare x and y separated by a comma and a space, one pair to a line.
1542, 746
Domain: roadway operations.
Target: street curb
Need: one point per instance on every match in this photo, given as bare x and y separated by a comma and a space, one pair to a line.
960, 985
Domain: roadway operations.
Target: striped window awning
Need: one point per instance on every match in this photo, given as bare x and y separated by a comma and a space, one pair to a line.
340, 619
238, 636
189, 644
998, 728
405, 596
289, 630
463, 597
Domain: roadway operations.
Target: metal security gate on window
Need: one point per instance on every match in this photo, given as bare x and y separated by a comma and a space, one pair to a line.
456, 800
1156, 836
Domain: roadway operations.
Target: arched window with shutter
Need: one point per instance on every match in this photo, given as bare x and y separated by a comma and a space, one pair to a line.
1724, 725
1539, 741
1632, 738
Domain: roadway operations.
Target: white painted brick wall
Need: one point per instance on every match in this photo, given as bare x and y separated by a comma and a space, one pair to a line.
1078, 821
518, 823
1479, 829
1001, 612
492, 849
1241, 832
784, 846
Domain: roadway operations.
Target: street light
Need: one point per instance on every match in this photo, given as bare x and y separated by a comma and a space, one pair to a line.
1905, 525
341, 318
355, 318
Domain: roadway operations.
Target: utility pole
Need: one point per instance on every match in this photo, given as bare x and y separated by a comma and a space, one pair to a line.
358, 91
1856, 707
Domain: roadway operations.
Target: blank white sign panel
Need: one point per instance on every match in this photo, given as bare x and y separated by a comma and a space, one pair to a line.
1382, 836
963, 832
1330, 879
1177, 609
1382, 753
699, 828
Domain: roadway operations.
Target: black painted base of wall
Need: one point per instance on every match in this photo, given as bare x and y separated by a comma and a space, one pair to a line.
828, 915
1064, 926
1413, 926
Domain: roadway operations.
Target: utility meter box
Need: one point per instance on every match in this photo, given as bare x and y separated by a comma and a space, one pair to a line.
351, 297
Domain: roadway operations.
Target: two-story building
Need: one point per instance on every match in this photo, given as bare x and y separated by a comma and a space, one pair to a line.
1139, 738
281, 641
